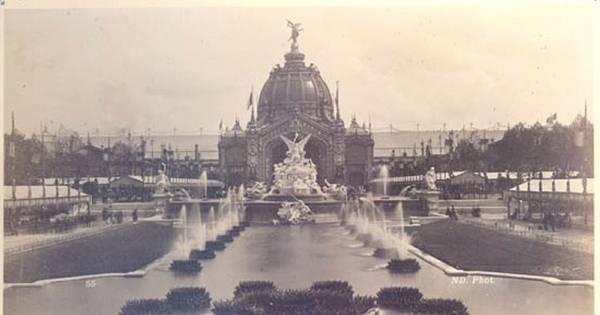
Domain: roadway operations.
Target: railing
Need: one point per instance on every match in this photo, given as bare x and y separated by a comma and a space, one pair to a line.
531, 232
12, 250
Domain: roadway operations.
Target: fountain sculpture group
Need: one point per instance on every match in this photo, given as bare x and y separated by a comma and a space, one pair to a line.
295, 181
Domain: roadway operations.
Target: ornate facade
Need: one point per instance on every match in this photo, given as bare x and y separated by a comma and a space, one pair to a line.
295, 99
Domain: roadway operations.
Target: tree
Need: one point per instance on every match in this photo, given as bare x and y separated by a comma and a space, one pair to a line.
537, 148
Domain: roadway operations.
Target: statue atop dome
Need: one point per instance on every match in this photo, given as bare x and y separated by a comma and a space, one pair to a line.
295, 30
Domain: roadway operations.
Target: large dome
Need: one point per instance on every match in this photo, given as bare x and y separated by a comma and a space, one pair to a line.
294, 88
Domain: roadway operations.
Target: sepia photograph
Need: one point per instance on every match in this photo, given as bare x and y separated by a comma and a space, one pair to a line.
392, 158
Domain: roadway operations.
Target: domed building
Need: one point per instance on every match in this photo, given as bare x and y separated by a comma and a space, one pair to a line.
296, 100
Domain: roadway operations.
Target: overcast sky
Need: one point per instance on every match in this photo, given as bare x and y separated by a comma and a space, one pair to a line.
188, 68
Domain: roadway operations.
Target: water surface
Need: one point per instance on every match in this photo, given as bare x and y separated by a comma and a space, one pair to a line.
295, 257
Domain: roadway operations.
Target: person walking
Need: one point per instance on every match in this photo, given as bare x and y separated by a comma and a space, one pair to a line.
134, 215
552, 219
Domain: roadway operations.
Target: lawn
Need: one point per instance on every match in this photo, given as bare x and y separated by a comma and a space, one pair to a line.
121, 250
470, 247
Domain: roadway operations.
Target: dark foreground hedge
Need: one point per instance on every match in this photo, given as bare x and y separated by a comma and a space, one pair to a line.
322, 298
410, 299
188, 298
341, 287
441, 306
245, 287
146, 307
399, 298
184, 299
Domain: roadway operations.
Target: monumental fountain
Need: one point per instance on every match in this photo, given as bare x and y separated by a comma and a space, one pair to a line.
296, 177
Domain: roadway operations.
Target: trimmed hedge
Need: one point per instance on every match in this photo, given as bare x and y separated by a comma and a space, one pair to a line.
254, 300
238, 228
389, 252
245, 287
399, 298
329, 298
409, 265
332, 302
323, 298
200, 254
185, 265
351, 228
184, 299
374, 243
364, 237
441, 307
146, 307
362, 304
225, 238
341, 287
293, 302
226, 307
214, 245
188, 298
233, 232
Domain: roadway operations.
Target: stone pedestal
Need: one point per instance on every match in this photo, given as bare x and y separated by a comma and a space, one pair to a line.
161, 202
429, 201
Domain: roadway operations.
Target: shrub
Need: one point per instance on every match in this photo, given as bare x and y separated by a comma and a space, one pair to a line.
226, 307
186, 265
399, 298
362, 304
146, 307
199, 254
341, 287
409, 265
352, 228
226, 238
381, 252
253, 286
188, 298
214, 245
374, 243
293, 302
238, 228
441, 307
364, 237
256, 300
332, 302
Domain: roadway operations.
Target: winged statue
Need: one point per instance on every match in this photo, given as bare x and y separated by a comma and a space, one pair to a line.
295, 30
295, 148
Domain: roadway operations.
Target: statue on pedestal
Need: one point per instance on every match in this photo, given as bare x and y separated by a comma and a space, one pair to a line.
162, 181
430, 179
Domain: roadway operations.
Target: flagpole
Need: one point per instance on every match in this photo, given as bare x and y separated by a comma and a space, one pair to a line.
584, 138
337, 99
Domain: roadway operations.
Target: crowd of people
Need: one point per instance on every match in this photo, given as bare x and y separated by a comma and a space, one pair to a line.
112, 217
125, 193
